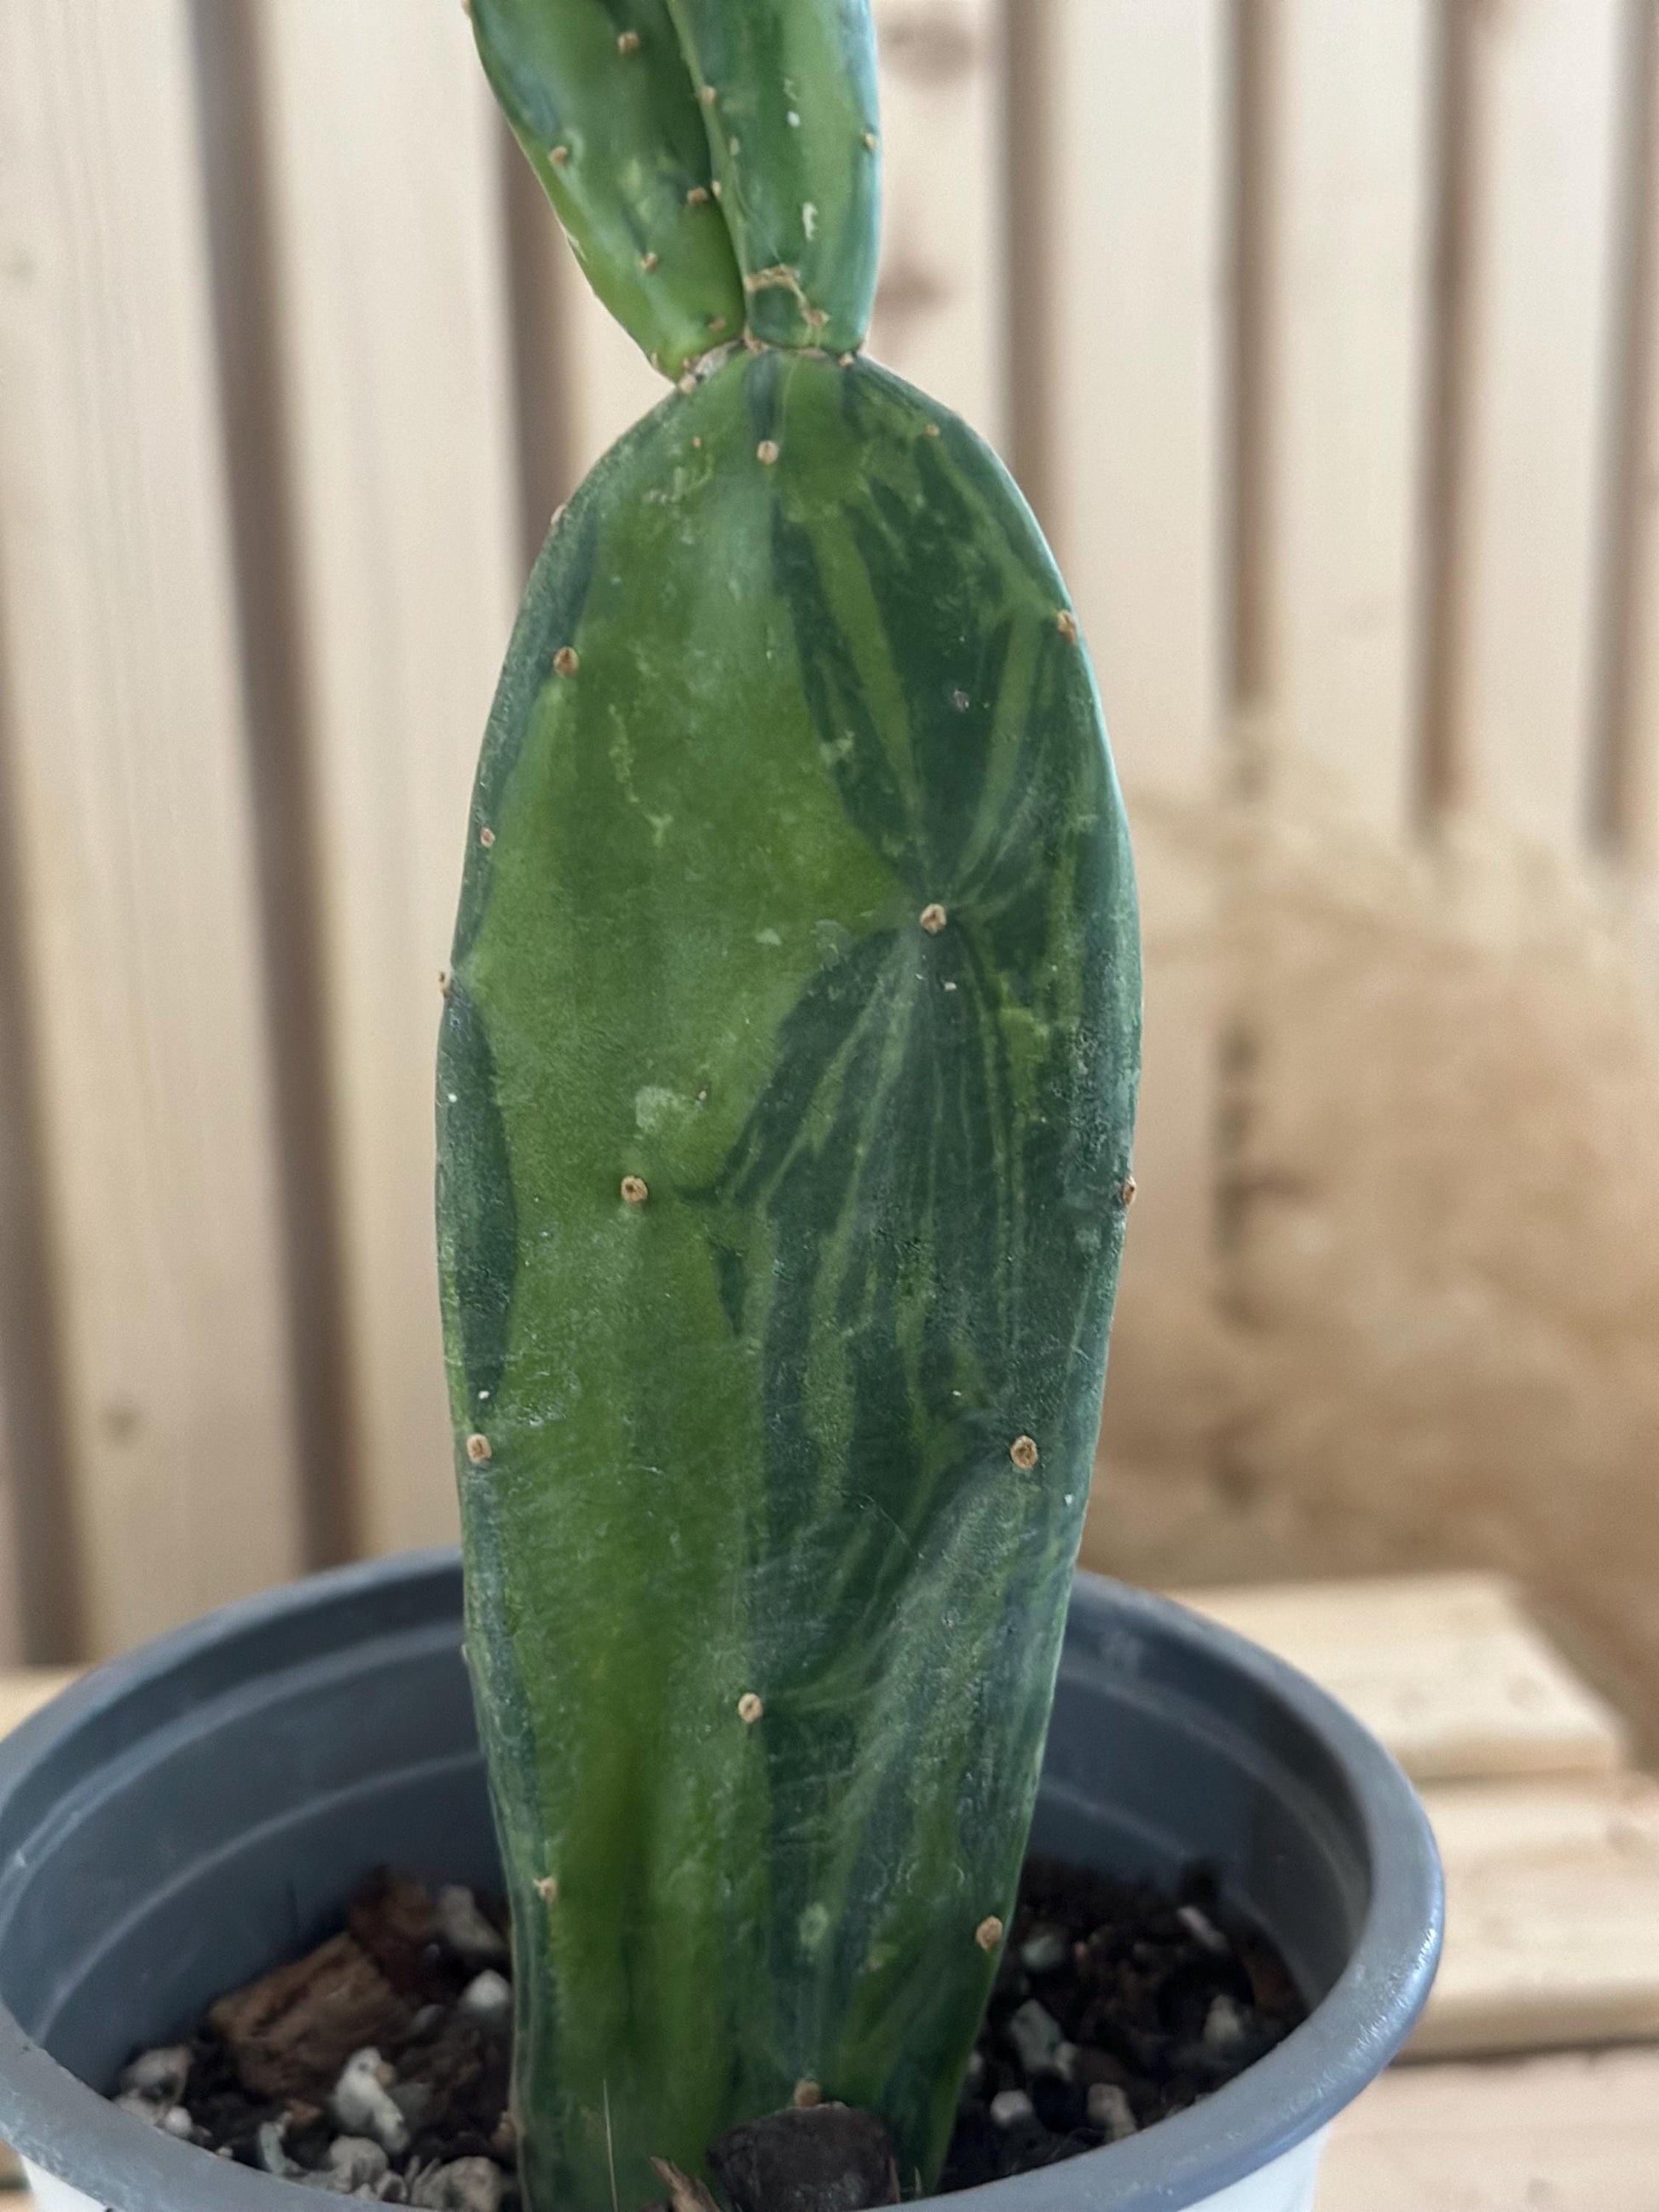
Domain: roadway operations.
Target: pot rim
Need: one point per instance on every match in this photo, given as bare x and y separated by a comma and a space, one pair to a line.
60, 2125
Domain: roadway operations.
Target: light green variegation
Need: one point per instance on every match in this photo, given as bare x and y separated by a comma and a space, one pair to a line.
787, 1082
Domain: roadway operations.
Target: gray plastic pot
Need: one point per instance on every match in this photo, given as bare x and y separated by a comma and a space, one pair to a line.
184, 1818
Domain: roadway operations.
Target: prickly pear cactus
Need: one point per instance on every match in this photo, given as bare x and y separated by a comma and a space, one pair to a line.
786, 1087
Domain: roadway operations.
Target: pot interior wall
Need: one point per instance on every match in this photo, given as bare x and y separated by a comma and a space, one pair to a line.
210, 1820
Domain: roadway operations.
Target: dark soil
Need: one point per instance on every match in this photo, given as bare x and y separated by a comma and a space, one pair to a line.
377, 2065
1115, 2005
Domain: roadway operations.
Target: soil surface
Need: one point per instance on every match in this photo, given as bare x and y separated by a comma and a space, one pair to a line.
377, 2066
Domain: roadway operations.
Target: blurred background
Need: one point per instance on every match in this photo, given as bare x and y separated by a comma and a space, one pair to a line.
1322, 335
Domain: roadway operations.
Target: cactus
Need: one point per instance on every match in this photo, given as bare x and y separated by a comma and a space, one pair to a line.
785, 1084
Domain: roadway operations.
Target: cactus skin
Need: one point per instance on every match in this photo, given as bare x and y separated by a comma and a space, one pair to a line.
601, 101
789, 95
754, 1434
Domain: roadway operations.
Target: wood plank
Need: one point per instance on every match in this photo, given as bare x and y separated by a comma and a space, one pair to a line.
1578, 2132
1447, 1669
1545, 108
391, 282
940, 304
1348, 293
1122, 367
1551, 1915
135, 855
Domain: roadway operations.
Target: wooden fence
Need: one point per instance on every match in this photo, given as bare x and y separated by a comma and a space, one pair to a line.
1319, 332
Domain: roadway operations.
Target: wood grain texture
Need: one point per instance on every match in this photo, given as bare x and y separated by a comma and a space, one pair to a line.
1574, 2132
939, 306
1447, 1669
135, 856
1545, 108
1348, 281
1551, 1915
390, 281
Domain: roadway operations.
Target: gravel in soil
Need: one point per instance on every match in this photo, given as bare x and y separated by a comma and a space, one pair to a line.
377, 2066
1116, 2004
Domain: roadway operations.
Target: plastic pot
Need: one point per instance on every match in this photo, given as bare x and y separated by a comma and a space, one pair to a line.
184, 1818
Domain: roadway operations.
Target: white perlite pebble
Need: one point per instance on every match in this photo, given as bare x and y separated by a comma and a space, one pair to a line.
1036, 2037
178, 2122
464, 1929
465, 2184
1224, 2026
363, 2106
142, 2108
1199, 1924
157, 2076
355, 2162
1010, 2106
1044, 1949
1109, 2110
489, 1997
268, 2149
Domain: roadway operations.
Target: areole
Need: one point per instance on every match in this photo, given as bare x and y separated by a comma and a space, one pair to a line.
185, 1816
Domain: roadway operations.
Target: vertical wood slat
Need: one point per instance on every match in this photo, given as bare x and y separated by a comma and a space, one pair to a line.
133, 844
1544, 111
391, 286
940, 305
1132, 335
1446, 564
1348, 306
37, 1609
236, 173
1129, 119
1628, 815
